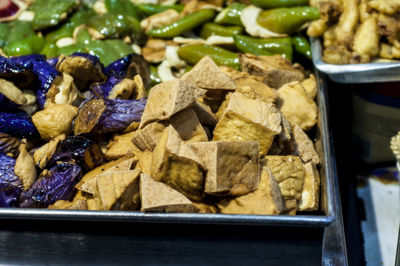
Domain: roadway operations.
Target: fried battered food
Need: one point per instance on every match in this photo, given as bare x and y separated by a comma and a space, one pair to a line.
347, 23
366, 40
385, 6
310, 196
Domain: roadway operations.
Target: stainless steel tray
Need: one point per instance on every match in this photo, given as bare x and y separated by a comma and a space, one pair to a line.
326, 216
355, 73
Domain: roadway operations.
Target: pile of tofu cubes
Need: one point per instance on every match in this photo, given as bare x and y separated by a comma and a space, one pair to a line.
216, 140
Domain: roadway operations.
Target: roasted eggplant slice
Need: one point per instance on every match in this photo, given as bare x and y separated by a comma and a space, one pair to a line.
101, 116
18, 124
84, 68
9, 144
56, 184
10, 184
84, 151
114, 88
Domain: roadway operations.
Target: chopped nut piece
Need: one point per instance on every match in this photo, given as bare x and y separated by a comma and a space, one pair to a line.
207, 75
232, 167
168, 98
54, 120
118, 190
297, 107
25, 167
267, 199
275, 70
310, 196
42, 155
246, 119
158, 197
304, 146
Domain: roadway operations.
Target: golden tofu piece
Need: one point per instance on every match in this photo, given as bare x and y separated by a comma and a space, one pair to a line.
25, 167
205, 207
275, 70
79, 204
118, 190
144, 163
207, 75
289, 173
232, 166
159, 197
178, 166
204, 114
290, 207
304, 146
310, 196
120, 146
42, 155
167, 99
246, 119
122, 164
267, 199
297, 106
147, 138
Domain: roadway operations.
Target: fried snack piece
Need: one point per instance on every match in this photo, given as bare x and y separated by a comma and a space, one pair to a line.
275, 70
178, 166
42, 155
310, 196
232, 167
330, 12
207, 75
168, 98
338, 55
366, 39
79, 204
389, 52
385, 6
310, 86
246, 119
347, 23
304, 146
267, 199
118, 190
289, 173
297, 106
120, 146
159, 197
25, 167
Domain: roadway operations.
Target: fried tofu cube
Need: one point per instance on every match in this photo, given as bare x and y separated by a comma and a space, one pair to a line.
232, 166
207, 75
246, 119
167, 99
79, 204
159, 197
297, 106
204, 114
289, 173
304, 146
120, 146
205, 207
144, 163
147, 138
310, 196
275, 70
118, 190
178, 166
267, 199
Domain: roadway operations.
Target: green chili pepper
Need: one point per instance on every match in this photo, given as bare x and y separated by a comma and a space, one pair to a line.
83, 36
192, 53
19, 30
210, 29
184, 24
154, 78
49, 13
302, 46
81, 17
269, 46
50, 50
287, 20
103, 50
120, 47
151, 9
70, 49
279, 3
125, 7
65, 30
4, 32
30, 45
230, 15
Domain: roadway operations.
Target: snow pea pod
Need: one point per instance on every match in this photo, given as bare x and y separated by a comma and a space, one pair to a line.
19, 30
103, 50
268, 46
279, 3
122, 7
49, 13
83, 36
4, 32
230, 15
192, 54
184, 24
30, 45
154, 78
151, 9
302, 46
50, 50
287, 20
70, 49
120, 47
210, 29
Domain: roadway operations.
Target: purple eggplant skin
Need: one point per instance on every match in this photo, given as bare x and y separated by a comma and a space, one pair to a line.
18, 124
10, 184
52, 61
9, 144
82, 150
103, 89
45, 72
57, 184
21, 76
102, 116
129, 66
7, 104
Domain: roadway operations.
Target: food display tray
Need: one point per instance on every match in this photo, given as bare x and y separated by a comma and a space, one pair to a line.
355, 73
